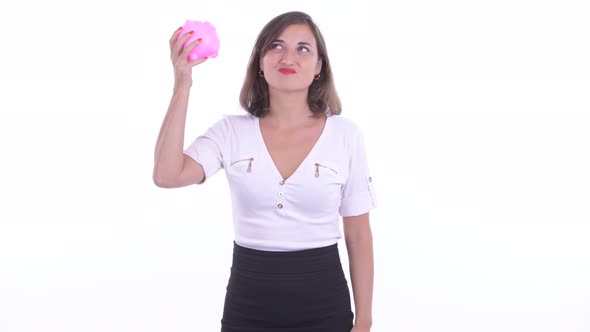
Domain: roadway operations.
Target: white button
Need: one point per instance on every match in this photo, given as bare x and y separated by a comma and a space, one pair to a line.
282, 182
280, 206
280, 194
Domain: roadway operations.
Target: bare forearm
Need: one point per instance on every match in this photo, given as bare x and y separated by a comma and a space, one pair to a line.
168, 157
360, 253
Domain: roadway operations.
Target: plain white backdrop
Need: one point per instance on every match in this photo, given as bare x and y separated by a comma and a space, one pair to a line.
476, 116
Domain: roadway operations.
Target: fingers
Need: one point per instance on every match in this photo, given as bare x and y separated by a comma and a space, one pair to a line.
187, 50
177, 46
180, 53
175, 36
176, 41
197, 61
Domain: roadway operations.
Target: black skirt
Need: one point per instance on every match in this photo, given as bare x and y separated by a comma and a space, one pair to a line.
293, 291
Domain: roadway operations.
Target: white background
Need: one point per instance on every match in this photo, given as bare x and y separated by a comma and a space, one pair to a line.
476, 116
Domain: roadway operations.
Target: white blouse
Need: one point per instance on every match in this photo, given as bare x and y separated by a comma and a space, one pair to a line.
301, 212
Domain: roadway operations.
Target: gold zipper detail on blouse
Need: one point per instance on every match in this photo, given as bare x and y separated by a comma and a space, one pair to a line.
317, 169
249, 163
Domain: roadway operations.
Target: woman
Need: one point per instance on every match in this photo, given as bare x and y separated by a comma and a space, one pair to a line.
294, 168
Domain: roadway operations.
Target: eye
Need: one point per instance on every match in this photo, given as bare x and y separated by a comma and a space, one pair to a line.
303, 49
276, 46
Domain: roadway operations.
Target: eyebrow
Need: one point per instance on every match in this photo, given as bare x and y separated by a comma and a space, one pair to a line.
299, 43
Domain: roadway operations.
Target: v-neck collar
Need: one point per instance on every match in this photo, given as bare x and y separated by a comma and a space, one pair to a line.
305, 159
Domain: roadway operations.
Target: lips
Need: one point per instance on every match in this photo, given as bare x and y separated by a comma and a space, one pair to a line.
287, 71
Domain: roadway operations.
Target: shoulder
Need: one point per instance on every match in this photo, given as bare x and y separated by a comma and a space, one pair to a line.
238, 119
345, 126
234, 123
347, 134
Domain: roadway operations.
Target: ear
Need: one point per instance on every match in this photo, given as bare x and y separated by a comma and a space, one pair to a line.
318, 66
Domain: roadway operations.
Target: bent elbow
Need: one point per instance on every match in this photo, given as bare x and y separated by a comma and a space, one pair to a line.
162, 181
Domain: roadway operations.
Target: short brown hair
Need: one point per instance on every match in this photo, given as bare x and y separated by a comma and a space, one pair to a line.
254, 96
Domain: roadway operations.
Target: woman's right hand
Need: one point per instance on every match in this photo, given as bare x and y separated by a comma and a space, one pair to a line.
180, 58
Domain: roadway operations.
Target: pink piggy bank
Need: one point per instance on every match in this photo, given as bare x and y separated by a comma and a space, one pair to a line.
209, 45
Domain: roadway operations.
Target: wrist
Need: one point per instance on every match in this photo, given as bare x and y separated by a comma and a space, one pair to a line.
180, 86
363, 322
183, 79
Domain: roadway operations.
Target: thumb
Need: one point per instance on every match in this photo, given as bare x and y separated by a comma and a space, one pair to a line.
197, 61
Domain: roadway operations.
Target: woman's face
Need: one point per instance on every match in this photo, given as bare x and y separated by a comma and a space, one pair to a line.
292, 61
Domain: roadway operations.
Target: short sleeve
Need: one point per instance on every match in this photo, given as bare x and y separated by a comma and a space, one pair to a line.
358, 194
208, 149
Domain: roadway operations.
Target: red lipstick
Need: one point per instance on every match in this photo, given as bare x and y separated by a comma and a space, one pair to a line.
287, 71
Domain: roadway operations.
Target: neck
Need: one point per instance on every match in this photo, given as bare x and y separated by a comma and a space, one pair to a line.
289, 109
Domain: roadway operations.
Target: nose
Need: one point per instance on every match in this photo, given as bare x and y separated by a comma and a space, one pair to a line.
288, 57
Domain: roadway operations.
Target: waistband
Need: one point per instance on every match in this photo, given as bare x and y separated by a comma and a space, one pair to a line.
278, 262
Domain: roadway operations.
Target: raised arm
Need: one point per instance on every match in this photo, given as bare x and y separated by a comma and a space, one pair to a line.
171, 167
